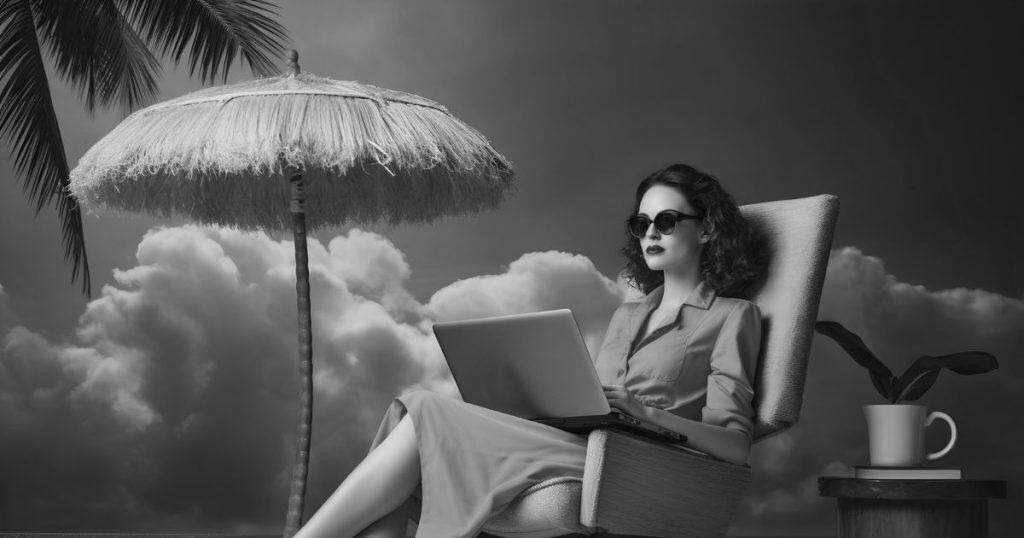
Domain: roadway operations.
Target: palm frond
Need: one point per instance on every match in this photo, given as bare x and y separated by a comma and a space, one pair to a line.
213, 32
96, 50
28, 122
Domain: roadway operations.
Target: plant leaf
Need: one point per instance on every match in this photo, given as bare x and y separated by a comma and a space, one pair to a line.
881, 377
917, 379
921, 375
29, 123
969, 362
213, 31
98, 52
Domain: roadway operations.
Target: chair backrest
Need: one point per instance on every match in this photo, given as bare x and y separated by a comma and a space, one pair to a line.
798, 237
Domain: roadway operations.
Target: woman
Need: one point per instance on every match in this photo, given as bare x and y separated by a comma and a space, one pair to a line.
683, 357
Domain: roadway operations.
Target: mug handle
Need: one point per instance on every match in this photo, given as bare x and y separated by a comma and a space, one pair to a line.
952, 430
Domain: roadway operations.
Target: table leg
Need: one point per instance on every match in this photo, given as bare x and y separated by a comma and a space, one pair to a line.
896, 518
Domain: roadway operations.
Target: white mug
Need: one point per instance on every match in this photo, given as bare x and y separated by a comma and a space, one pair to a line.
896, 434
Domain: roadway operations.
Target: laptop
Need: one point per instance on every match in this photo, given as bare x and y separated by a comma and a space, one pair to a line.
535, 366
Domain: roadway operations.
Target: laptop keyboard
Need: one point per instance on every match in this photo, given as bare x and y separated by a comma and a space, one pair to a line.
628, 418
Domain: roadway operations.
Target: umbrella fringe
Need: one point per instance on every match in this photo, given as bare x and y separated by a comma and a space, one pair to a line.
214, 159
262, 202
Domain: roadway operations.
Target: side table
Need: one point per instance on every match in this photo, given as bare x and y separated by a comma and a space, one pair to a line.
911, 508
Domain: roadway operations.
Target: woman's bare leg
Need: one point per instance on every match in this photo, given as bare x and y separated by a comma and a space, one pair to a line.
377, 486
393, 525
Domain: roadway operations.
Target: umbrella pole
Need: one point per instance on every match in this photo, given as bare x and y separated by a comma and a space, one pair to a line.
296, 498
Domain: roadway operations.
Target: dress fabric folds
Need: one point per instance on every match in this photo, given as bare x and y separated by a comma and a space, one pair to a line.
474, 460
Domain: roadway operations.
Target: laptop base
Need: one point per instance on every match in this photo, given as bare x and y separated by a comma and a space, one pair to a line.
585, 424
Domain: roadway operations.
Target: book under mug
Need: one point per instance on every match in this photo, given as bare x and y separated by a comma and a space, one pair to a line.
873, 472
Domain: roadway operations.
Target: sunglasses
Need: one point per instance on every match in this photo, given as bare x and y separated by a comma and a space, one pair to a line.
664, 221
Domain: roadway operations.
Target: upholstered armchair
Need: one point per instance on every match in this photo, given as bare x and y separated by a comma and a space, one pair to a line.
635, 486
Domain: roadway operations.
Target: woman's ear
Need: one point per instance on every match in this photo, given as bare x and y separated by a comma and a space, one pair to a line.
707, 232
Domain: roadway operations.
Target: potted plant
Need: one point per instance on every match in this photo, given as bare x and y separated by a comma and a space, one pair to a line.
896, 430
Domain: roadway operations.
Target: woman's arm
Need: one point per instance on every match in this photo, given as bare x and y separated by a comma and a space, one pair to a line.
729, 444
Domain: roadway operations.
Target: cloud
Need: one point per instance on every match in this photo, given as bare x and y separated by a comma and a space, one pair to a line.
536, 281
175, 405
899, 322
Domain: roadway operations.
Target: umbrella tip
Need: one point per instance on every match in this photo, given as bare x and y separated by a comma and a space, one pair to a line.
293, 62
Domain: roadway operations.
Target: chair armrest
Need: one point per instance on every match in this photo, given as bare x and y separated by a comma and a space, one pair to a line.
636, 485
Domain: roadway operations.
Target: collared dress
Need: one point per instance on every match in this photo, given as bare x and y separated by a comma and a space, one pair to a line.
474, 460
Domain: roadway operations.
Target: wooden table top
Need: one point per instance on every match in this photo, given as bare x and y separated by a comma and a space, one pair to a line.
847, 487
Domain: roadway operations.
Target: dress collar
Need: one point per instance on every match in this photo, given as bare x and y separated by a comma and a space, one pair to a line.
700, 297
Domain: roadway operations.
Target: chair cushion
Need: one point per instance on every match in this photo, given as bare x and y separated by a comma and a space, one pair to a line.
798, 235
546, 509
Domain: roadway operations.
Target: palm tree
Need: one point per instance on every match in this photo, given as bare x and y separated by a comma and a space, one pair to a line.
108, 51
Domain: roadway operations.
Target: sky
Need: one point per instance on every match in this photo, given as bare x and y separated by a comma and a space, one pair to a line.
166, 402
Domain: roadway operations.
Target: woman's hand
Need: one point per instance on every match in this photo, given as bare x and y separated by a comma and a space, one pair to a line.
622, 399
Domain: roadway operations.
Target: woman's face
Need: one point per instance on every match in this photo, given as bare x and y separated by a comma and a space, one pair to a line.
681, 249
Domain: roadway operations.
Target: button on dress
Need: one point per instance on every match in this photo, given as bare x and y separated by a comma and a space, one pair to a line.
474, 460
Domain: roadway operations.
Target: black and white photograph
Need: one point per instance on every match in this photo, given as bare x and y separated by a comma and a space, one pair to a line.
511, 268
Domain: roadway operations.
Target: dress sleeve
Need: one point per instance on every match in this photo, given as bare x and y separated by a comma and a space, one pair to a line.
733, 365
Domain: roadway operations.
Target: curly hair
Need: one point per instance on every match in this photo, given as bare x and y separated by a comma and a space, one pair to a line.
732, 262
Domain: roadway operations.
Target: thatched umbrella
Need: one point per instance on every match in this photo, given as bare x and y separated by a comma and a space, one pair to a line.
264, 154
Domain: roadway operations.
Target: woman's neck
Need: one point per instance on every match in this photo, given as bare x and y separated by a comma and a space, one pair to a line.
678, 286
